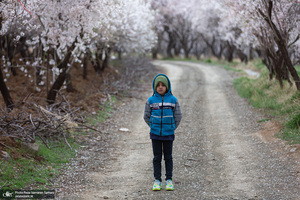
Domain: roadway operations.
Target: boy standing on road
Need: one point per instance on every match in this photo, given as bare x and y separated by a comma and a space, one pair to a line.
163, 115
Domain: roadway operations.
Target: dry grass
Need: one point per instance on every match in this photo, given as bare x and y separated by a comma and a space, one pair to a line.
281, 103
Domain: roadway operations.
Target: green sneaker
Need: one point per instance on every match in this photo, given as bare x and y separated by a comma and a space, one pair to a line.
156, 185
169, 185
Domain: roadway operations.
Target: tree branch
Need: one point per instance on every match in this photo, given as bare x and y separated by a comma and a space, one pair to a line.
297, 38
270, 9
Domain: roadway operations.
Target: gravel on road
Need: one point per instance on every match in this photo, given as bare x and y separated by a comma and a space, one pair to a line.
218, 151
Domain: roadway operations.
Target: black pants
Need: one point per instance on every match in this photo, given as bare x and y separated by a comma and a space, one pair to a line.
162, 147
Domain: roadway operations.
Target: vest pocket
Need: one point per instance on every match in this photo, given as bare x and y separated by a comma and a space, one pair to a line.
168, 123
155, 122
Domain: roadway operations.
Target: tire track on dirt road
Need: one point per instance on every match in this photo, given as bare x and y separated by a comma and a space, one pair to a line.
217, 136
216, 155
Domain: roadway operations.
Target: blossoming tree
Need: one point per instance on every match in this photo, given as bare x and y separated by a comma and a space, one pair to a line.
61, 32
274, 27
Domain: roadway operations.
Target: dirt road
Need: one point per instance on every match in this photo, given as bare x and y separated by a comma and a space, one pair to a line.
217, 154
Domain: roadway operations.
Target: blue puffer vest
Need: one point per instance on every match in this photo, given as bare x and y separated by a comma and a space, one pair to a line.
162, 117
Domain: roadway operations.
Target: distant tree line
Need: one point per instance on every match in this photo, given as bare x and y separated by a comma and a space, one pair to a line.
231, 29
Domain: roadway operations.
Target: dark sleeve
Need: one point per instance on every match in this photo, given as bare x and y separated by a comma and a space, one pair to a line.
177, 114
147, 113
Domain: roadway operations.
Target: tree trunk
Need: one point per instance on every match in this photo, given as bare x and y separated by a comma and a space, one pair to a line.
119, 55
276, 66
282, 67
154, 54
281, 44
198, 54
5, 93
61, 78
243, 57
229, 53
177, 48
285, 74
251, 53
10, 55
38, 77
169, 50
211, 45
186, 54
56, 87
47, 72
85, 62
69, 83
97, 63
266, 62
106, 62
156, 50
219, 55
290, 66
170, 45
3, 88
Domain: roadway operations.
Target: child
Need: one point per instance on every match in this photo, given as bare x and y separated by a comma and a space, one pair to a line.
163, 115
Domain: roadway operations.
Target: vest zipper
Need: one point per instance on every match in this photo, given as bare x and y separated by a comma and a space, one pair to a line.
162, 110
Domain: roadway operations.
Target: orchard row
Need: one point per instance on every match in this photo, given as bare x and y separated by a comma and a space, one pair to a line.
50, 35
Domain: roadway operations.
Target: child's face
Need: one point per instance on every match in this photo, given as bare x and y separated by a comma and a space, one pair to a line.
161, 88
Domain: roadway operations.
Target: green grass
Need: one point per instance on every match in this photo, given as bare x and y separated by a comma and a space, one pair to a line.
244, 87
180, 59
290, 135
257, 95
208, 61
297, 67
259, 64
282, 103
294, 122
104, 112
26, 171
227, 67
